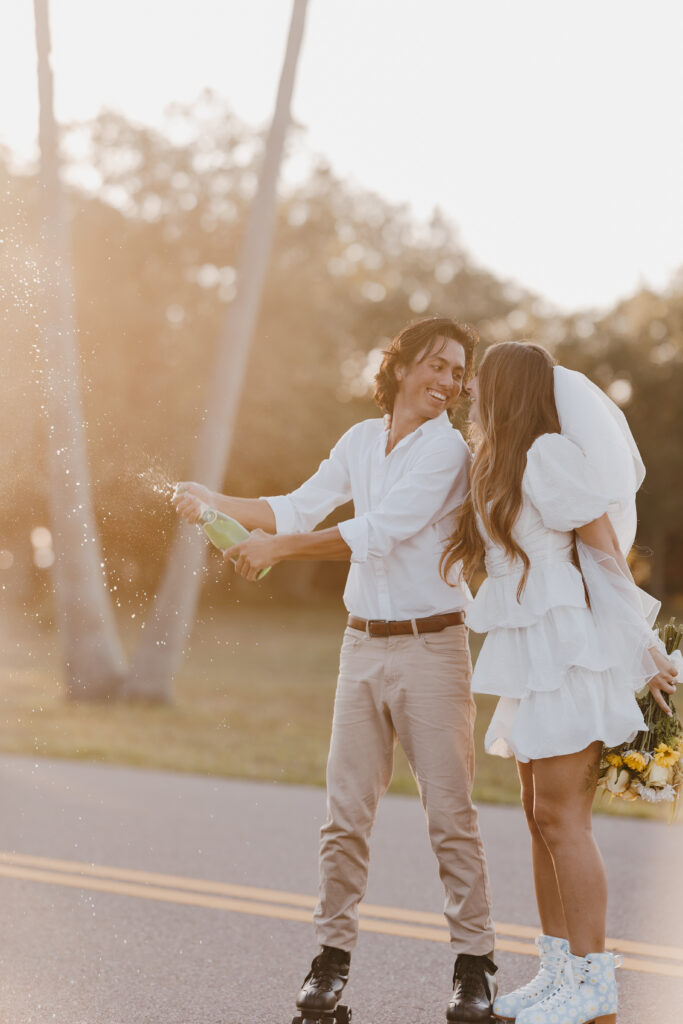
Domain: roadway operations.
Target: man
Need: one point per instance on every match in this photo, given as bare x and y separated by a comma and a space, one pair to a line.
405, 667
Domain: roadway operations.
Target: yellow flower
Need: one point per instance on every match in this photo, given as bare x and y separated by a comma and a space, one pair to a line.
665, 755
614, 759
634, 760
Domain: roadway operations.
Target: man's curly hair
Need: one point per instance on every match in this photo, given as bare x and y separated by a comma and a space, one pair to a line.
415, 342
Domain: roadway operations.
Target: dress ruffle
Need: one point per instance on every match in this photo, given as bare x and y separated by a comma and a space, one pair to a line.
564, 721
567, 675
549, 585
541, 657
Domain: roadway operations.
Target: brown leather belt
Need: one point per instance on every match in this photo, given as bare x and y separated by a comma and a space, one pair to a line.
402, 627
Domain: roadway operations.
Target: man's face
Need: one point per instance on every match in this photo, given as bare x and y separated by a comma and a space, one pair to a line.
431, 384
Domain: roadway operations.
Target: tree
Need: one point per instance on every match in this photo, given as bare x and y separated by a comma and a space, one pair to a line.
158, 655
93, 655
155, 247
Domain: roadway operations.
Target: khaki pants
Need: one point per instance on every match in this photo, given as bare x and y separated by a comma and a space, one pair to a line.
416, 689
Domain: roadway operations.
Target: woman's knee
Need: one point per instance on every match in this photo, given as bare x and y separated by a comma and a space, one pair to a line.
557, 822
547, 817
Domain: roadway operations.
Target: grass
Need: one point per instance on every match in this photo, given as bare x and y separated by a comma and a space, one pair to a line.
253, 700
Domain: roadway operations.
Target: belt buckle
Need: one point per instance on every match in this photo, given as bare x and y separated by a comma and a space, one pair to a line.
372, 623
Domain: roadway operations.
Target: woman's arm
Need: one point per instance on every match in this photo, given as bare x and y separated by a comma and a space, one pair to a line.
600, 535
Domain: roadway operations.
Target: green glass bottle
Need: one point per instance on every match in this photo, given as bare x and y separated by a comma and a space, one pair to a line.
224, 531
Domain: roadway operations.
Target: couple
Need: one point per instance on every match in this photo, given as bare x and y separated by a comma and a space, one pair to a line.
548, 503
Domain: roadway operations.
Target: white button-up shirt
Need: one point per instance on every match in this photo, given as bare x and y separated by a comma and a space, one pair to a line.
404, 511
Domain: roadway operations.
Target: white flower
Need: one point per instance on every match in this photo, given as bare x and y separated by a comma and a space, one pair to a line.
657, 775
654, 796
617, 780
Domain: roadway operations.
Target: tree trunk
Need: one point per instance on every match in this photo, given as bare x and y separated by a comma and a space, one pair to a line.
94, 658
159, 654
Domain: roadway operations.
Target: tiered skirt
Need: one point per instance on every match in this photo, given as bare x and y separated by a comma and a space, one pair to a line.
567, 674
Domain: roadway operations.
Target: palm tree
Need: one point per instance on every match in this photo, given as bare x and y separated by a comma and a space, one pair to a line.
96, 665
94, 659
159, 653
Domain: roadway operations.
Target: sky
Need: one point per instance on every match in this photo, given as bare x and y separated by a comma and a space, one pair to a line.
549, 132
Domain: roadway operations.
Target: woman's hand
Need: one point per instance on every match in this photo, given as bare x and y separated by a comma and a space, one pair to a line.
665, 679
190, 500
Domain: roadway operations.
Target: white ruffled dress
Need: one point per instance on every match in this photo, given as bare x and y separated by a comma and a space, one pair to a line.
566, 674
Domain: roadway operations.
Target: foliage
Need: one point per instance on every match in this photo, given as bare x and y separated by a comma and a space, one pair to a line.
157, 222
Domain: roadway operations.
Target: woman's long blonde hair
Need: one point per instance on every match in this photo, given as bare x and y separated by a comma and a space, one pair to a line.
516, 405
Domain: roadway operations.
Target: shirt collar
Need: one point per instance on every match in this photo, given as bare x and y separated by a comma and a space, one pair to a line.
439, 425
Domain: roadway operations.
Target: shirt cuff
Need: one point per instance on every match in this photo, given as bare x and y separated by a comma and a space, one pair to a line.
283, 510
355, 533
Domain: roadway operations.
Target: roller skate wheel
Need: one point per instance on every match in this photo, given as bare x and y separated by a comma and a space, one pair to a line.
341, 1015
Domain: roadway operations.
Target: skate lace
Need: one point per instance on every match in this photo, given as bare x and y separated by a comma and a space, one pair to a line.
547, 975
324, 970
558, 997
574, 975
470, 972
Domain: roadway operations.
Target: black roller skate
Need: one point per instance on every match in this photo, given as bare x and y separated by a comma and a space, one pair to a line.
318, 1000
474, 989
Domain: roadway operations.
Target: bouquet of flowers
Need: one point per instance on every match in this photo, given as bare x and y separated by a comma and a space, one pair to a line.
650, 768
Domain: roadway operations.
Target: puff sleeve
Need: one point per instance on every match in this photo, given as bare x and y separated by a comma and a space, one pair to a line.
570, 489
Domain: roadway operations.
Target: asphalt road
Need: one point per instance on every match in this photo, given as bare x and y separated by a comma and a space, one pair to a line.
203, 944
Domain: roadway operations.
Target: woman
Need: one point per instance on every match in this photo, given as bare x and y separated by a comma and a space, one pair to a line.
551, 508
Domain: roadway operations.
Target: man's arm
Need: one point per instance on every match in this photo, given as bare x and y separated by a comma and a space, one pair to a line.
404, 511
263, 549
190, 500
294, 513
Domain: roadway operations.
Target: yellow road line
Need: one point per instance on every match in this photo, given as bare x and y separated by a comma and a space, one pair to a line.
285, 906
247, 892
174, 881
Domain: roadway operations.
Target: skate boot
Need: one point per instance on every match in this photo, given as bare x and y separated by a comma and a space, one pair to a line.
554, 954
319, 996
474, 989
587, 995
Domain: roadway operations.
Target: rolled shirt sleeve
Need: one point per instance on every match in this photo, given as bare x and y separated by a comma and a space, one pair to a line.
301, 510
412, 503
355, 533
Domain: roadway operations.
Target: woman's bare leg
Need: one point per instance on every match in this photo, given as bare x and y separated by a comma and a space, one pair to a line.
563, 797
550, 907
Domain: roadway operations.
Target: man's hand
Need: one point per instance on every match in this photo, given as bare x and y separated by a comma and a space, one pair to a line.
257, 552
665, 679
191, 499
